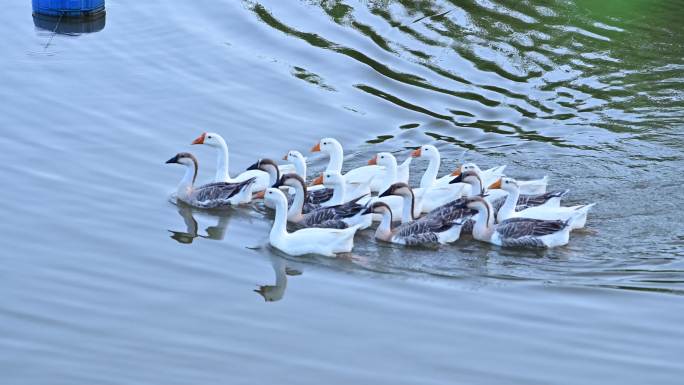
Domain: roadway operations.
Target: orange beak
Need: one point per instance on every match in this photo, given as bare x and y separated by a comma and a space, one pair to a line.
317, 181
496, 184
285, 157
373, 161
416, 153
258, 195
456, 172
200, 139
316, 148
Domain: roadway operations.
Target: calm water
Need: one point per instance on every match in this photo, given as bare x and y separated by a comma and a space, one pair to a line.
104, 281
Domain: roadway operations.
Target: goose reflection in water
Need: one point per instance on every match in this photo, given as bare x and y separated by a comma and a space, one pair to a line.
217, 232
272, 293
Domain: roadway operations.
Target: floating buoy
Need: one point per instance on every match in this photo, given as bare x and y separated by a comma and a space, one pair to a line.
72, 9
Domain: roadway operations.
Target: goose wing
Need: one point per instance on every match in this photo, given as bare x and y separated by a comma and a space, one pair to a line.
216, 193
423, 226
526, 201
333, 213
319, 196
527, 227
306, 208
421, 239
449, 212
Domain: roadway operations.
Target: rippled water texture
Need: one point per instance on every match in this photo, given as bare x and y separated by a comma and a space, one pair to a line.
104, 281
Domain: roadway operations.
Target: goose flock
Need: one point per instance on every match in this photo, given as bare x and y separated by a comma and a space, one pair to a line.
328, 211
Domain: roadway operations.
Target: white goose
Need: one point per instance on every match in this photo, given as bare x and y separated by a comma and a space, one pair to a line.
216, 141
327, 242
497, 197
414, 233
334, 150
298, 161
212, 195
313, 198
448, 212
435, 192
338, 217
578, 214
488, 176
431, 154
342, 191
387, 179
516, 232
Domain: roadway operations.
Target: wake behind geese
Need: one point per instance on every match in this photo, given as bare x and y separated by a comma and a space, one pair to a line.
327, 242
212, 195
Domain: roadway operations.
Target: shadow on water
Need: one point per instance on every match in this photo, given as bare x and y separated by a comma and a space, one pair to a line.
217, 232
66, 26
273, 293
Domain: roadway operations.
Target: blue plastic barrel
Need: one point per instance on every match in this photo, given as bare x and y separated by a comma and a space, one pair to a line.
85, 9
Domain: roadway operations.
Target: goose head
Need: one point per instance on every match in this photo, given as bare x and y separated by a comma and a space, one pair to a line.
384, 159
425, 152
329, 178
292, 180
470, 177
327, 145
184, 158
187, 160
506, 184
400, 188
466, 167
476, 203
378, 208
294, 156
273, 196
268, 166
211, 139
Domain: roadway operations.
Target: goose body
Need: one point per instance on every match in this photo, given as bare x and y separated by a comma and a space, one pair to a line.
298, 161
313, 199
533, 187
212, 195
342, 191
497, 197
508, 209
415, 233
321, 241
359, 175
387, 179
216, 141
433, 191
338, 217
441, 216
517, 232
488, 176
